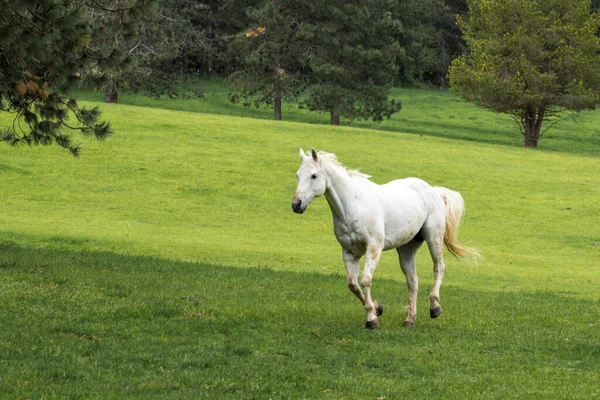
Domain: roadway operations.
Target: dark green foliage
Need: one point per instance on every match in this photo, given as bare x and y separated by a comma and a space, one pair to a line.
271, 55
45, 49
430, 39
180, 40
344, 54
352, 58
168, 50
192, 37
208, 37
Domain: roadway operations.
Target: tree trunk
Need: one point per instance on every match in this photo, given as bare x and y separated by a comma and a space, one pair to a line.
532, 124
112, 86
112, 91
277, 99
531, 137
335, 108
335, 117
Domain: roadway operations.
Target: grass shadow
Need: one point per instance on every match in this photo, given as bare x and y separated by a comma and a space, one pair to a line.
79, 324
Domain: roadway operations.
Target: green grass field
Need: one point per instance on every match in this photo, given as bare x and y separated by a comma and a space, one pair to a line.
430, 112
166, 261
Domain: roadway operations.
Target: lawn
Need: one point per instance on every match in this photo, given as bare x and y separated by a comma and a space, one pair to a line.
166, 261
431, 112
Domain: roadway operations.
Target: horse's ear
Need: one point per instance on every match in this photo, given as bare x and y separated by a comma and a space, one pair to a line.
314, 155
302, 154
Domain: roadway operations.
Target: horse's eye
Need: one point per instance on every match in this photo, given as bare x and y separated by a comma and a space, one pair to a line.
314, 176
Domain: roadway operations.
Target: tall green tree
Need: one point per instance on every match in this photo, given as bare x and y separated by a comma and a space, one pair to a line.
119, 23
430, 40
45, 48
227, 19
533, 60
271, 55
182, 39
352, 52
165, 52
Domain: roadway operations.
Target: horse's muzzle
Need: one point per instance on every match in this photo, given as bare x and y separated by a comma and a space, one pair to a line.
298, 207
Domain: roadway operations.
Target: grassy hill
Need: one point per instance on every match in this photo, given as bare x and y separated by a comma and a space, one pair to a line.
430, 112
167, 260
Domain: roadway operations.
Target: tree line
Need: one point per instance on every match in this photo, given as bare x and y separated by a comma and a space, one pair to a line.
342, 55
530, 59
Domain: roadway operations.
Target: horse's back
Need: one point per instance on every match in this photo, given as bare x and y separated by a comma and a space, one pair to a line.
407, 189
405, 206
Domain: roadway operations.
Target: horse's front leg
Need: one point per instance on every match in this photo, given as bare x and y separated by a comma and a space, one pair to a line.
351, 262
373, 308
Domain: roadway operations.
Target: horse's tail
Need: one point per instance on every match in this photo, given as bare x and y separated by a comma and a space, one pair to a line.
455, 207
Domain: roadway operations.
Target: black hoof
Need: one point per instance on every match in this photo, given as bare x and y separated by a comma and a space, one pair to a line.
372, 324
408, 324
436, 312
378, 308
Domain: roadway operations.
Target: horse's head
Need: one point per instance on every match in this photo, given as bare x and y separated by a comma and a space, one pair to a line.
311, 181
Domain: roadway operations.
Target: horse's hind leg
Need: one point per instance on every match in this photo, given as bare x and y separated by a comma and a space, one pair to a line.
407, 254
435, 244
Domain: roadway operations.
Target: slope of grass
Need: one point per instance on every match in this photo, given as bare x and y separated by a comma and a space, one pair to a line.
430, 112
217, 189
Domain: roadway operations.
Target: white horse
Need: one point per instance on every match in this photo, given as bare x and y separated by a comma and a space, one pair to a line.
369, 218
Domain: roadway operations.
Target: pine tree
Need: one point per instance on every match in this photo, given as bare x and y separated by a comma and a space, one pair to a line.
175, 42
430, 39
352, 58
271, 55
46, 46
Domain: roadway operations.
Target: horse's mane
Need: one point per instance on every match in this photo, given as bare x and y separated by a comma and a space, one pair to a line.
330, 157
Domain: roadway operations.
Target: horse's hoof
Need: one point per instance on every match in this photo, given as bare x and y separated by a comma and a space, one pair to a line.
378, 308
372, 324
408, 324
436, 312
